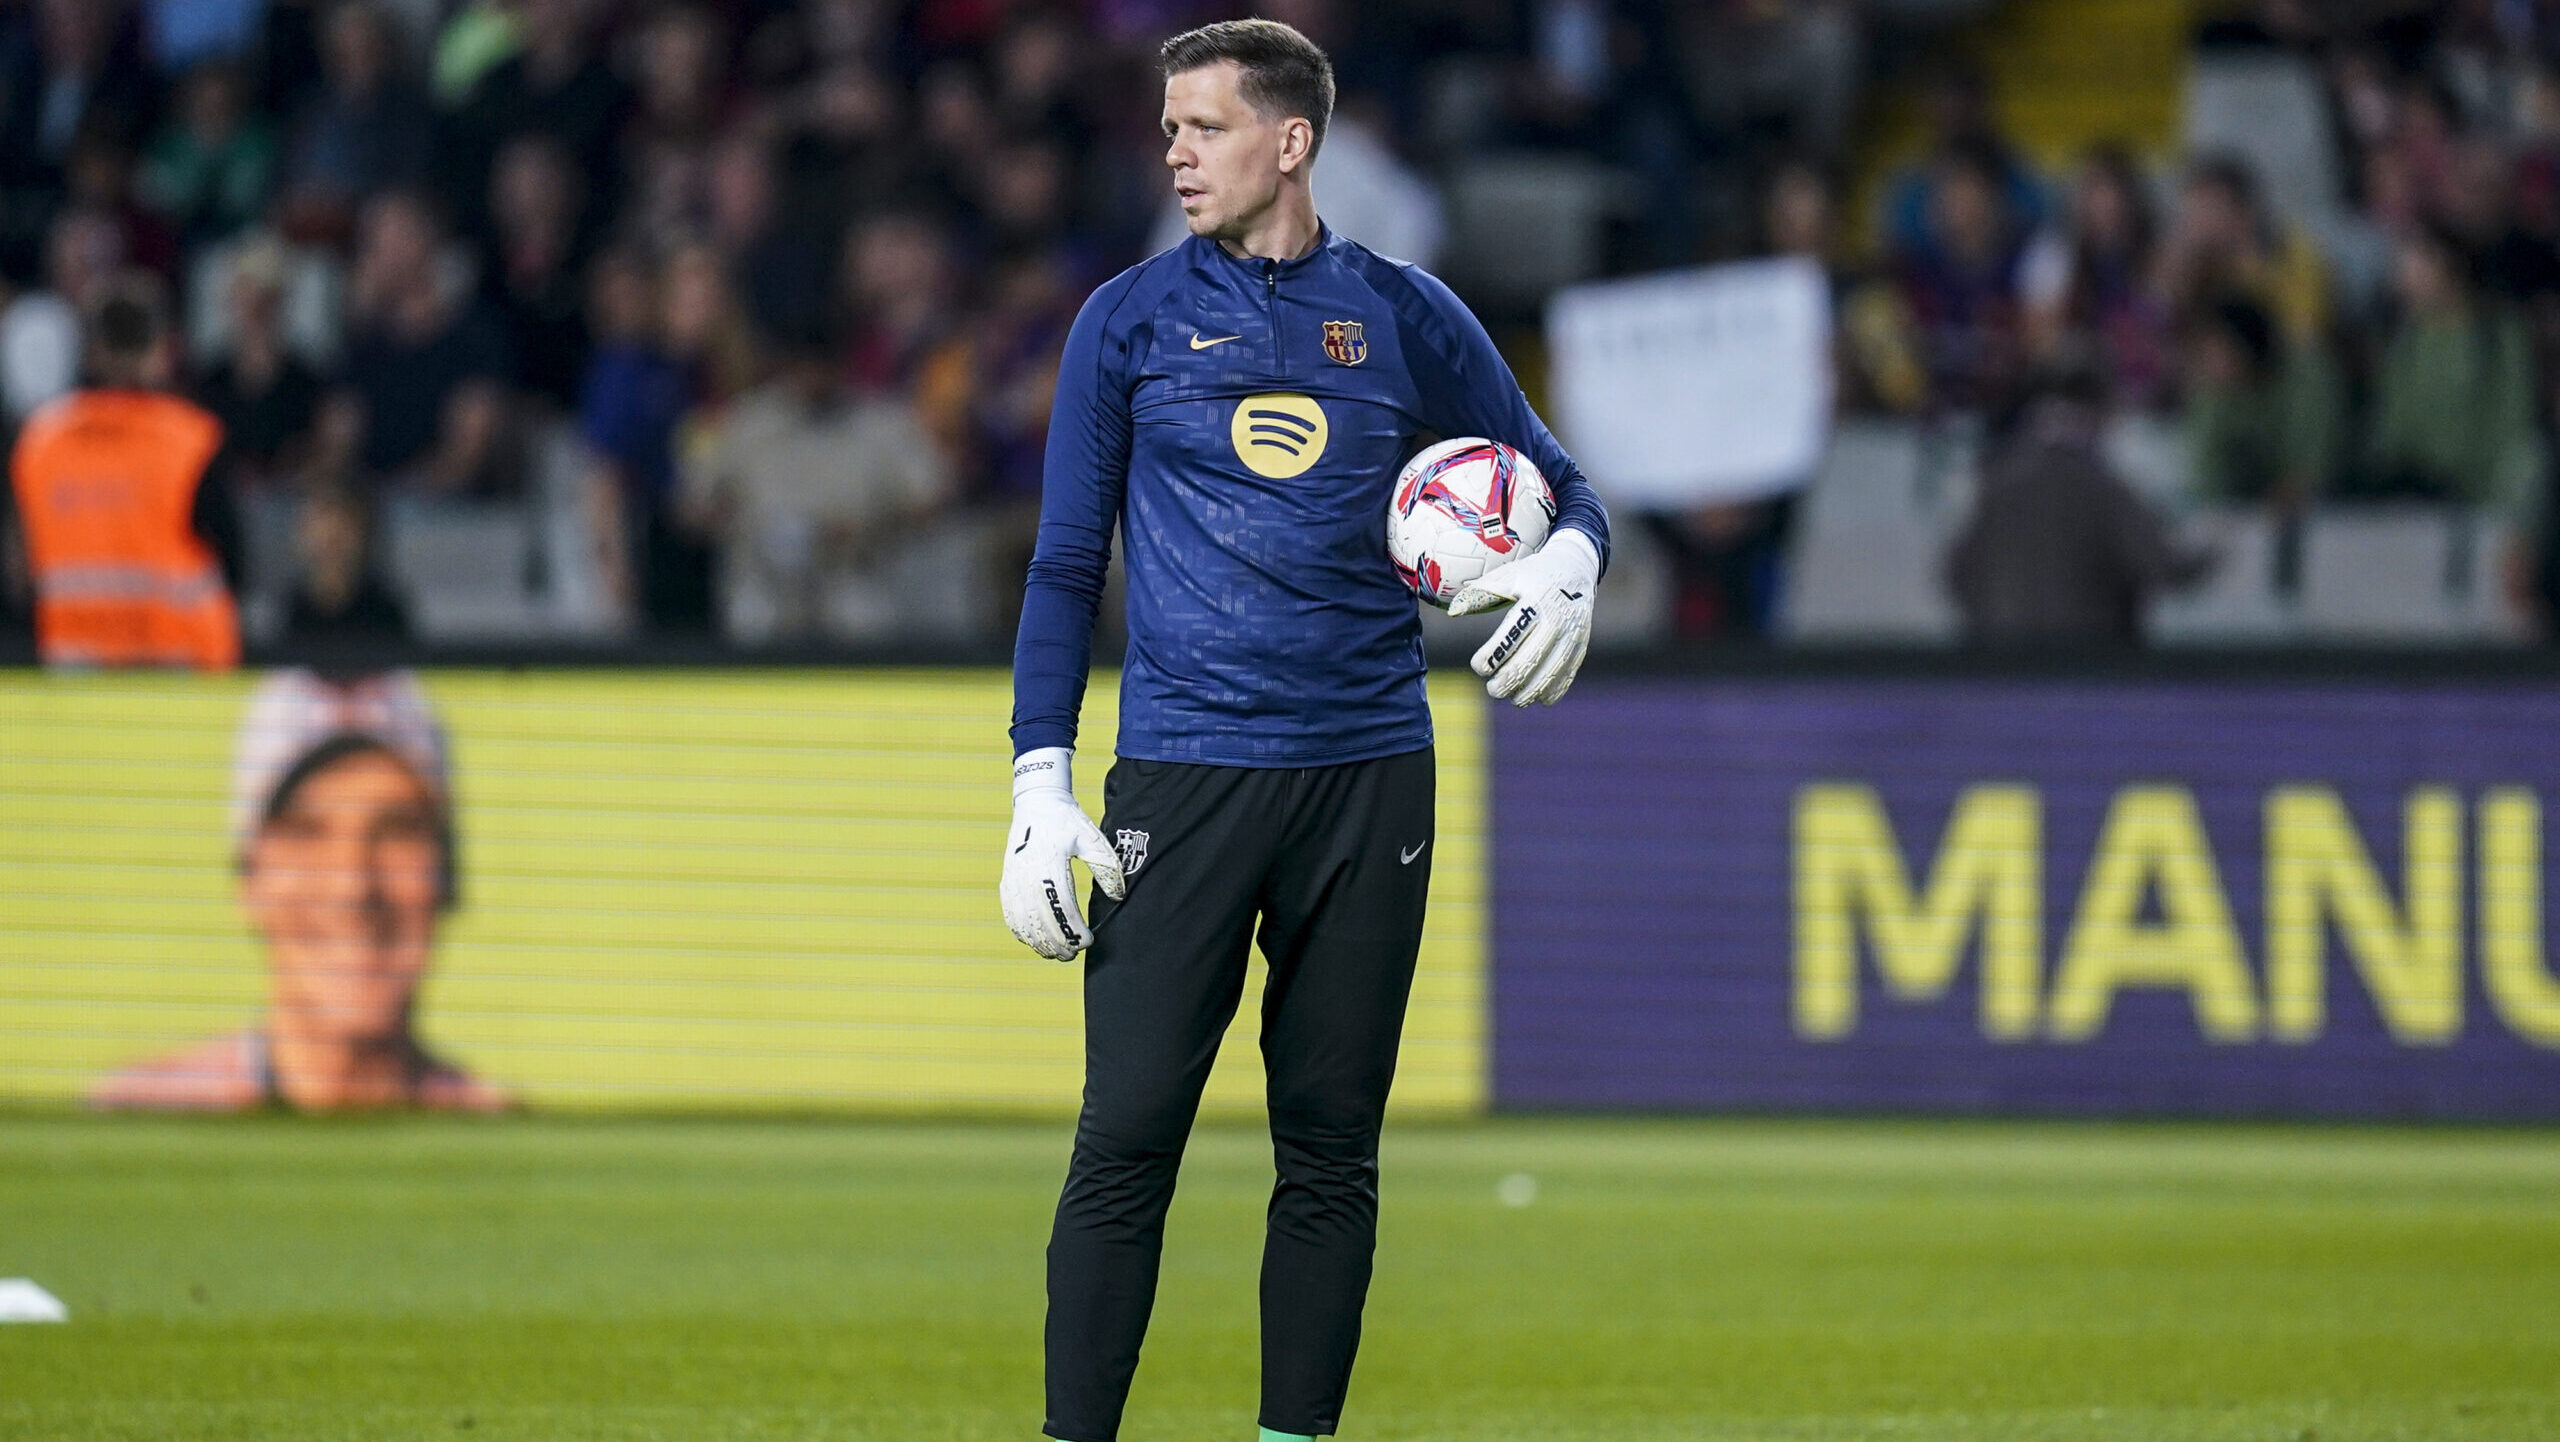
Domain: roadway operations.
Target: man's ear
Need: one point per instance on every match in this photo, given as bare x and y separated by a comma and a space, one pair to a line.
1297, 144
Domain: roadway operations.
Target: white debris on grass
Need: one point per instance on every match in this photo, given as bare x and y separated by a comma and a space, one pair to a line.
1516, 1190
23, 1301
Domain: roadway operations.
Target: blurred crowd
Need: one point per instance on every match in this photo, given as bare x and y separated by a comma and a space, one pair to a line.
789, 277
2402, 344
793, 273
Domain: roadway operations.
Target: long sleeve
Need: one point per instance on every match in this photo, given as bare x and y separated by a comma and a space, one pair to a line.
1083, 478
1468, 390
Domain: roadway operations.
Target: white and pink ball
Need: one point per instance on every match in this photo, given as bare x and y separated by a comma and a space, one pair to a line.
1462, 508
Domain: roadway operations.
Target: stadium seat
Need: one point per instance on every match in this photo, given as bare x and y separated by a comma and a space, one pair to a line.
578, 599
2491, 613
1635, 609
468, 568
1871, 535
2267, 109
2238, 604
2396, 574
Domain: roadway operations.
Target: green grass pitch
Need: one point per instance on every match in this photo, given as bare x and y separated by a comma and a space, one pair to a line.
701, 1280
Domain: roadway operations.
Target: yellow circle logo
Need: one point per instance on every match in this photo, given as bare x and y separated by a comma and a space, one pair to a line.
1278, 433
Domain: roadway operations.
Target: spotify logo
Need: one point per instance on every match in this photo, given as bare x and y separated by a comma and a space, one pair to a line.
1278, 433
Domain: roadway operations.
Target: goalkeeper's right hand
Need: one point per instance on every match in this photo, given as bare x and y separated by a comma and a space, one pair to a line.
1049, 829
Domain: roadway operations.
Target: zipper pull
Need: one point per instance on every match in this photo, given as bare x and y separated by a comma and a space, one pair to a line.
1271, 274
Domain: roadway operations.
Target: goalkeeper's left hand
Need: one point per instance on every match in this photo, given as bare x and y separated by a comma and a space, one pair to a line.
1536, 653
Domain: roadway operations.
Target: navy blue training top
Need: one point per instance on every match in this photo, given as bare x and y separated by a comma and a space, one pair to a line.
1242, 423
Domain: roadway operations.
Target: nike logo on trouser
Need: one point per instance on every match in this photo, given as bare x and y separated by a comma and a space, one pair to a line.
1200, 342
1407, 857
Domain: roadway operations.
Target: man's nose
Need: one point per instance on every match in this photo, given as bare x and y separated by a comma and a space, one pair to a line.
350, 874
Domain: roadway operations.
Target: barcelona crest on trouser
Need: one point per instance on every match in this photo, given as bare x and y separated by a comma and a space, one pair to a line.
1344, 343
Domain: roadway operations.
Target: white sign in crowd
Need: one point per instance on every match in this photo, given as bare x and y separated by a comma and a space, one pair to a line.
1695, 386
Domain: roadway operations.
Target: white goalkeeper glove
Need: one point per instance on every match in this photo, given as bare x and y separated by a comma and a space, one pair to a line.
1049, 828
1535, 654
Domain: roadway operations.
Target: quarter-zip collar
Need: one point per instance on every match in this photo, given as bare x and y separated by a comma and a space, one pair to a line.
1265, 276
1267, 270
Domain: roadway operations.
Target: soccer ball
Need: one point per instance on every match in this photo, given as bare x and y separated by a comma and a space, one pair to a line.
1462, 508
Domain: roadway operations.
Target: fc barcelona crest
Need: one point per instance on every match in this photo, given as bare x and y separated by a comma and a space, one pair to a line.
1344, 343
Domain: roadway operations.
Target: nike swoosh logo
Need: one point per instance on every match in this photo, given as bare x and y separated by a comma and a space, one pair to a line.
1407, 856
1026, 840
1201, 342
1570, 595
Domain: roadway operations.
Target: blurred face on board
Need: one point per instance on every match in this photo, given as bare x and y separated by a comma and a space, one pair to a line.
1228, 159
343, 883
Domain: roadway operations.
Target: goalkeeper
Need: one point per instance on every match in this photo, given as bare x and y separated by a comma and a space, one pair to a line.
1238, 408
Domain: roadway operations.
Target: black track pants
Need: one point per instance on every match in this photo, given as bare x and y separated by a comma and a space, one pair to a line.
1326, 868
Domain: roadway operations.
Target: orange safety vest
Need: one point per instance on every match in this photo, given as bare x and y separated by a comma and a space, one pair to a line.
106, 484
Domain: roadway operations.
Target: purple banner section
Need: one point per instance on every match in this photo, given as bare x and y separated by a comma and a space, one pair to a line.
2102, 898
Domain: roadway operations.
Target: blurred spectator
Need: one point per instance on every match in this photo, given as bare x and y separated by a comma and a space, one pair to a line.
1961, 131
682, 95
957, 128
2266, 422
130, 533
426, 371
1725, 561
476, 37
1034, 65
312, 305
1876, 358
635, 395
2453, 395
776, 266
2093, 278
900, 278
2532, 564
807, 492
706, 327
41, 334
2058, 549
2224, 245
1024, 195
1012, 360
1961, 285
679, 106
99, 178
184, 34
2294, 24
210, 167
2479, 212
2423, 142
844, 152
2537, 143
367, 131
1789, 69
530, 274
266, 397
557, 86
2364, 96
337, 596
67, 68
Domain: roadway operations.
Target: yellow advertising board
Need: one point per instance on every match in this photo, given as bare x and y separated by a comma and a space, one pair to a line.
674, 889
